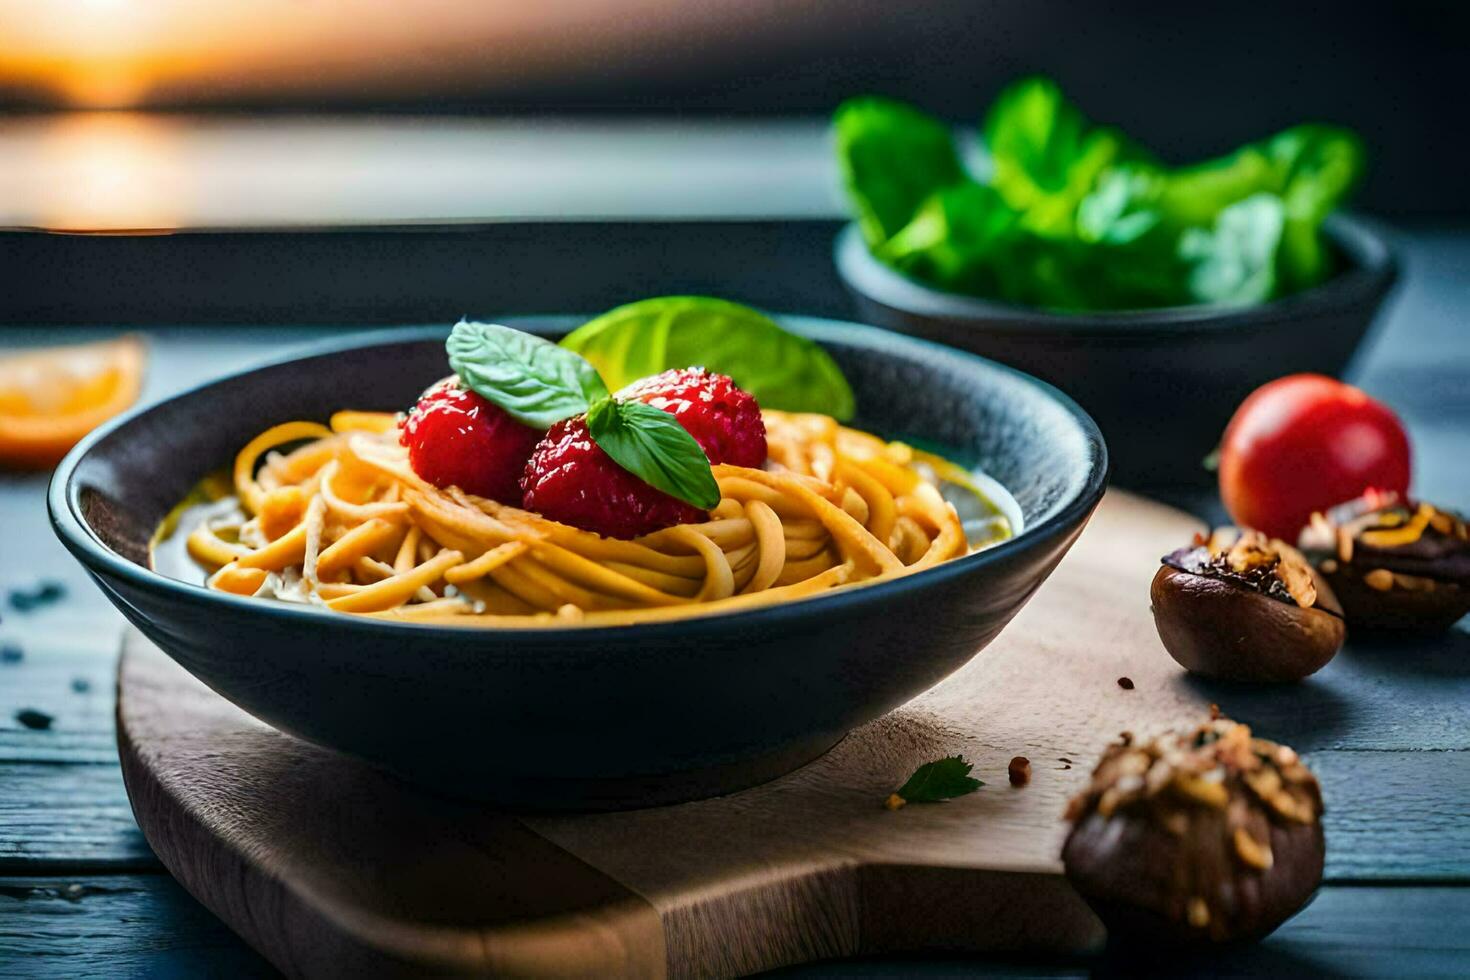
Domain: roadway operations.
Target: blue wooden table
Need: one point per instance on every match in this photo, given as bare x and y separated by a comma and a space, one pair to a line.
81, 894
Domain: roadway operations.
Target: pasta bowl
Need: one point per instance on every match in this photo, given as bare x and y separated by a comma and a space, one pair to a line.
585, 716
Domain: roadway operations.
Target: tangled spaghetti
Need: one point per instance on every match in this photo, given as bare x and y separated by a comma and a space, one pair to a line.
340, 519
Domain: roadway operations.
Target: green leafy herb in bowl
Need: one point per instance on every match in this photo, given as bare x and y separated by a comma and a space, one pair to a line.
1062, 214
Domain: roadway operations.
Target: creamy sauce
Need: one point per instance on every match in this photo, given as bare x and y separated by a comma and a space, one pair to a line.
168, 552
988, 512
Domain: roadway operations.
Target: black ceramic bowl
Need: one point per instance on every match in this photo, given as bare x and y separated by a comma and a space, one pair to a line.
583, 717
1161, 383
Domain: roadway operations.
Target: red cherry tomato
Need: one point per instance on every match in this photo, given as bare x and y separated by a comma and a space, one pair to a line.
1303, 443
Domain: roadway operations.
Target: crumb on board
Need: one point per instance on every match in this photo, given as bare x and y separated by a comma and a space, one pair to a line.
1019, 771
895, 801
33, 719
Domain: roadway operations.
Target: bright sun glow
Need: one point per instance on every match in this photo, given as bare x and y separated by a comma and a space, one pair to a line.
94, 53
121, 53
98, 170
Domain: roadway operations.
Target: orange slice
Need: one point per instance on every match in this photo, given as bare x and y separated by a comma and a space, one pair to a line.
51, 397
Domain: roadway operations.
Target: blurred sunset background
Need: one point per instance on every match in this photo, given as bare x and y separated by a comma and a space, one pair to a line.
108, 54
144, 115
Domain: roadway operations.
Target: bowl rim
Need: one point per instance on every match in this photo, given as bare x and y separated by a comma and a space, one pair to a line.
63, 505
1371, 270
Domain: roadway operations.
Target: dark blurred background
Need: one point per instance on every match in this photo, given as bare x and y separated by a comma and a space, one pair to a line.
1187, 79
285, 146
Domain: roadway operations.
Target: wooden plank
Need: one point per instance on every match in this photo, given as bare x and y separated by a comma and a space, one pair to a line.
1403, 815
1365, 836
147, 925
1346, 931
1406, 818
1410, 694
69, 680
1394, 813
115, 926
64, 817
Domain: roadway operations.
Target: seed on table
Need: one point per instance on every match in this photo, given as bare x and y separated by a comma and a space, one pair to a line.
33, 719
23, 600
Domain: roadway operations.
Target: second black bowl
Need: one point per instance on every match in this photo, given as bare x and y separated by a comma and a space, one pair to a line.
591, 716
1161, 383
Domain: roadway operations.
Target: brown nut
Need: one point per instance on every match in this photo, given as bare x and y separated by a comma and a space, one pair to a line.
1197, 838
1245, 608
1393, 565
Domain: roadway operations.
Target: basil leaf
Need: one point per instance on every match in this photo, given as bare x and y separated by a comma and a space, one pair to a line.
651, 444
960, 239
782, 370
892, 157
1322, 165
942, 779
536, 382
1120, 210
1235, 262
1045, 155
1195, 195
1075, 216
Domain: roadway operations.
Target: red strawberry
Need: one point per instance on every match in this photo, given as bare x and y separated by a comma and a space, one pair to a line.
455, 437
570, 479
725, 421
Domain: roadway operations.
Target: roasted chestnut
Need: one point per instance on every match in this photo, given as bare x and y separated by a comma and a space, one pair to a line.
1394, 565
1197, 837
1240, 606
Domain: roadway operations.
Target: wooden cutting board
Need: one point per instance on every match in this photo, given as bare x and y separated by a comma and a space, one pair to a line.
330, 868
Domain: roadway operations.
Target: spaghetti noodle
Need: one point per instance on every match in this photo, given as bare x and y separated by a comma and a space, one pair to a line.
334, 515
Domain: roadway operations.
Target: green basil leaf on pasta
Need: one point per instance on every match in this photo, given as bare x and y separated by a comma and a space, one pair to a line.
536, 382
781, 369
651, 444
